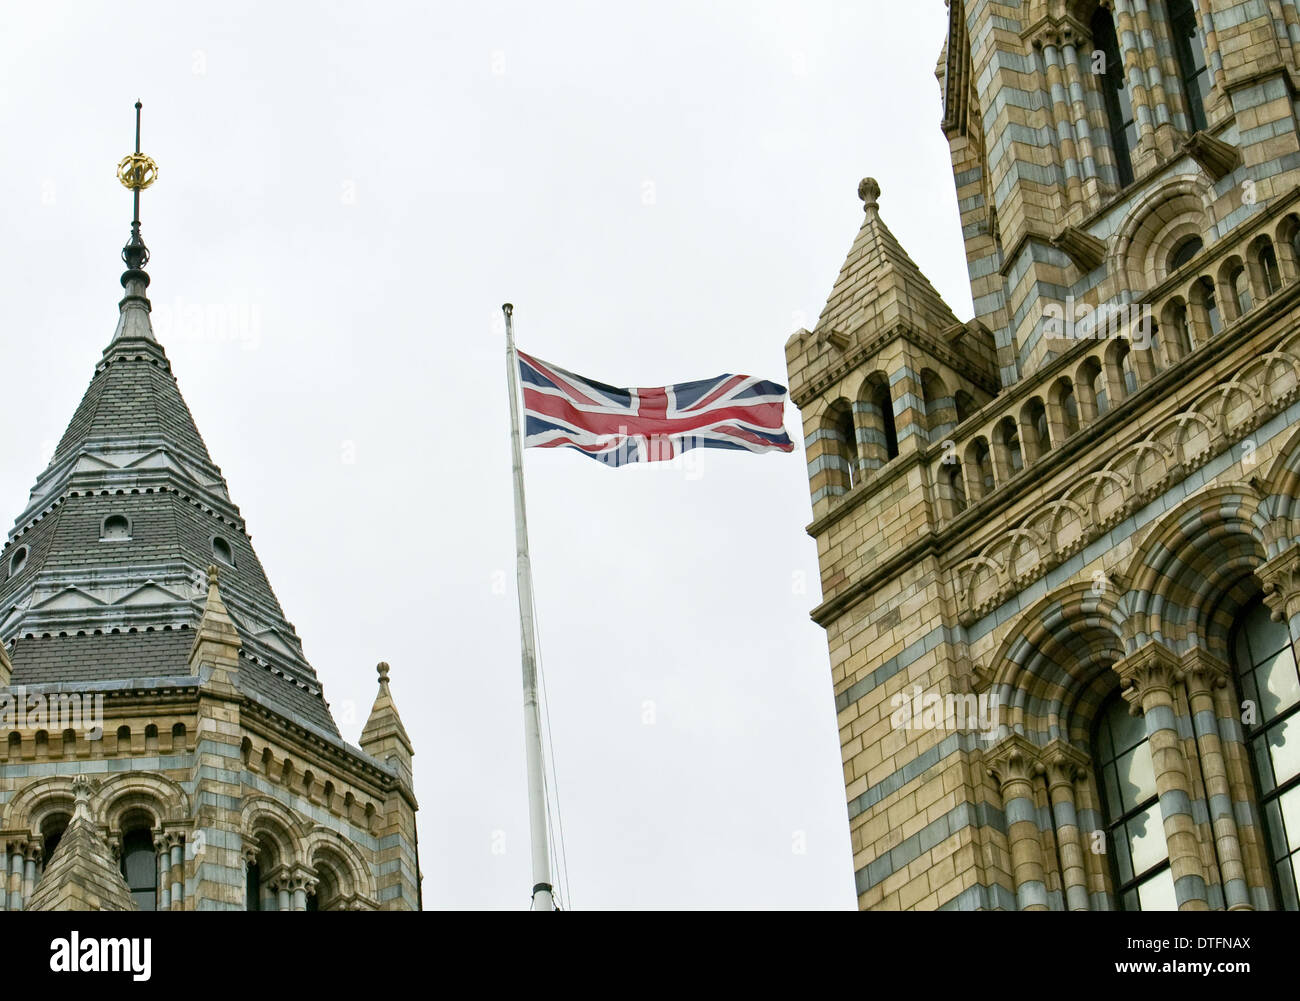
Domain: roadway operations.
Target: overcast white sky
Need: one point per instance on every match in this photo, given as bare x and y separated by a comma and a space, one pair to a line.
665, 191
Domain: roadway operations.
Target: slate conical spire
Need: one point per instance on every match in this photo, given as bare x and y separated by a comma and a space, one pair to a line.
103, 577
81, 875
879, 285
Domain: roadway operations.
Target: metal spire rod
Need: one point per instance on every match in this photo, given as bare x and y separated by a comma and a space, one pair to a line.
135, 222
543, 898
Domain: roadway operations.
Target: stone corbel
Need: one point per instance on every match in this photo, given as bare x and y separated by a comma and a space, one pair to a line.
1085, 251
1216, 157
837, 337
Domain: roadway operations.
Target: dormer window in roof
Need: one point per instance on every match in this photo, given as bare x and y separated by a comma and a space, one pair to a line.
222, 551
116, 528
17, 561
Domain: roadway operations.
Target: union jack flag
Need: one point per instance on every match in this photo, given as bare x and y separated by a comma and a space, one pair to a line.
619, 426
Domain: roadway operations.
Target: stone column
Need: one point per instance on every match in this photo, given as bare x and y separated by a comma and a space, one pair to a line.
33, 855
1202, 674
176, 869
1148, 677
1166, 140
302, 885
280, 886
1130, 50
1079, 109
1064, 125
1064, 766
17, 849
164, 871
1012, 763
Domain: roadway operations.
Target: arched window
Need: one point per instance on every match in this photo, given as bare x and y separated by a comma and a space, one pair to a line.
1009, 457
1263, 262
1120, 122
884, 407
140, 867
221, 550
1065, 408
1189, 49
1034, 429
52, 829
843, 448
1135, 832
956, 488
966, 403
1270, 687
17, 561
1092, 381
116, 529
1239, 283
940, 412
1185, 251
979, 462
1175, 325
1206, 319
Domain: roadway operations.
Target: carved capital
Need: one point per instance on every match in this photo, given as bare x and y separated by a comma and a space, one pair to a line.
1203, 672
1281, 579
1064, 763
1013, 759
1146, 673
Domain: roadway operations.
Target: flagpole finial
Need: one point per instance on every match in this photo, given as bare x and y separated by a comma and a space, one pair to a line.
508, 309
136, 172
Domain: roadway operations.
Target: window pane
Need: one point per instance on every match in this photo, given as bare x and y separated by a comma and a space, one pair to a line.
1284, 743
1286, 882
1157, 893
1137, 777
1126, 729
1279, 686
1123, 862
1146, 834
1290, 803
1263, 765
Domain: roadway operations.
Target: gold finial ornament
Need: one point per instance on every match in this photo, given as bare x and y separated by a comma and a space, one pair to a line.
137, 171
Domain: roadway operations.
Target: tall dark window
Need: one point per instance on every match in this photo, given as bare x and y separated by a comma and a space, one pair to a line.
1135, 831
1189, 48
140, 868
1270, 687
253, 888
881, 398
1121, 123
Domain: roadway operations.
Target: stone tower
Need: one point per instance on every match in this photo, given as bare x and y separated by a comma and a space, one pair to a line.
157, 705
1060, 543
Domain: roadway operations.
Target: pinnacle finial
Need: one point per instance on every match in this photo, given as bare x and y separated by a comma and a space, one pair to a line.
82, 787
382, 669
869, 192
213, 575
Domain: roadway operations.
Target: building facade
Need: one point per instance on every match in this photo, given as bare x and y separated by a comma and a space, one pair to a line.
166, 745
1060, 542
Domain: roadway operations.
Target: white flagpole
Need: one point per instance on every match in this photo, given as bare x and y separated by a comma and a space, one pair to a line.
542, 895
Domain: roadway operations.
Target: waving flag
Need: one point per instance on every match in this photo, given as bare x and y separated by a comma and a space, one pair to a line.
618, 426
